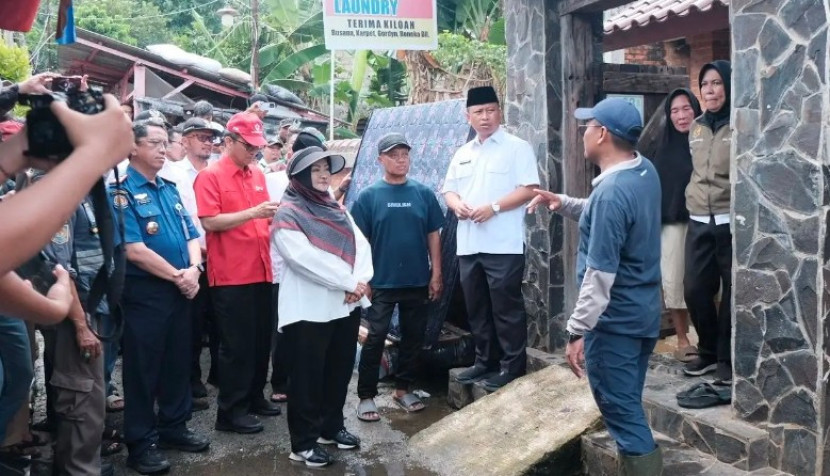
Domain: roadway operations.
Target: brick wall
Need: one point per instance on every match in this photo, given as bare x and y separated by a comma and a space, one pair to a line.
693, 53
705, 48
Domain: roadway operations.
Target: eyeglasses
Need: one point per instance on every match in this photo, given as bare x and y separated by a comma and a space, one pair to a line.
157, 143
582, 127
248, 147
203, 138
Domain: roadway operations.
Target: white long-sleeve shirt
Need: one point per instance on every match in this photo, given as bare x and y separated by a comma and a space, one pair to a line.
315, 282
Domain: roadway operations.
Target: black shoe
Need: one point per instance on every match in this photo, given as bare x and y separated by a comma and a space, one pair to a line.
150, 461
187, 441
198, 390
265, 408
343, 439
314, 458
498, 381
244, 424
107, 469
472, 374
200, 404
700, 366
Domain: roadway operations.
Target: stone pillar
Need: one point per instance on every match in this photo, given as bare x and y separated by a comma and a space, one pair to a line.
533, 112
538, 80
781, 150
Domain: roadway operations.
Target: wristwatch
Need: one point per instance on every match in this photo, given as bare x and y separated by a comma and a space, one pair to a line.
573, 337
496, 207
200, 267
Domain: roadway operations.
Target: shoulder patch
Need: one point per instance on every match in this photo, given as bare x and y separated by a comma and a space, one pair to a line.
120, 200
62, 236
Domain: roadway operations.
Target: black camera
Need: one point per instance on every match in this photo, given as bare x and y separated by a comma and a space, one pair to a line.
46, 135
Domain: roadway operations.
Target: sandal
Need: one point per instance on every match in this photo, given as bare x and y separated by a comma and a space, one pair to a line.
685, 354
112, 441
279, 397
115, 403
365, 407
409, 403
20, 450
111, 447
704, 395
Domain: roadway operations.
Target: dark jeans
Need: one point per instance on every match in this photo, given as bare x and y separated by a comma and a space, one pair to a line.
279, 356
412, 303
156, 361
492, 286
616, 366
203, 321
708, 267
322, 360
16, 370
245, 325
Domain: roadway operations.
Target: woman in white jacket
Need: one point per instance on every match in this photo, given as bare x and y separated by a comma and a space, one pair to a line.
328, 264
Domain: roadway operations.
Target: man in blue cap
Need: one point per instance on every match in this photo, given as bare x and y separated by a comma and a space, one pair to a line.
616, 320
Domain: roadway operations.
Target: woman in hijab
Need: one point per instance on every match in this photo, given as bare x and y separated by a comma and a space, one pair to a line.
708, 239
327, 265
674, 166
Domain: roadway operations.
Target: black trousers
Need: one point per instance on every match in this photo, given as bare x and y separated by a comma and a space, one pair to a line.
322, 360
412, 303
156, 367
203, 321
492, 286
708, 267
279, 356
245, 324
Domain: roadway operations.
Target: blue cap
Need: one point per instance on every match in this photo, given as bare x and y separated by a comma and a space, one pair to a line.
617, 115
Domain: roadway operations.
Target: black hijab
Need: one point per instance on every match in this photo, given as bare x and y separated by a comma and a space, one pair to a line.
717, 119
674, 162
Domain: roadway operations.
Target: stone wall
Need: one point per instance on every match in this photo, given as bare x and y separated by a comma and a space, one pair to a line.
781, 145
533, 112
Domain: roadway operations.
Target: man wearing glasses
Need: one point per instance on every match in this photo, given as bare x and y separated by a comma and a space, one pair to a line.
236, 213
162, 277
197, 140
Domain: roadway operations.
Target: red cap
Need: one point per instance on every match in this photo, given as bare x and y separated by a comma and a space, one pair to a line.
9, 128
249, 126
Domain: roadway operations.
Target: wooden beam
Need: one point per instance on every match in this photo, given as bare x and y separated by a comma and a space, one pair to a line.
122, 85
640, 83
696, 23
589, 6
179, 88
139, 85
581, 74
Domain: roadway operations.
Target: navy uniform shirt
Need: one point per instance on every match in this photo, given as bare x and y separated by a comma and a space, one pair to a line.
153, 214
396, 220
620, 234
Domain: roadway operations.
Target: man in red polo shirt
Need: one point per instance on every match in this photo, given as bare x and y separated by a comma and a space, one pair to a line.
235, 212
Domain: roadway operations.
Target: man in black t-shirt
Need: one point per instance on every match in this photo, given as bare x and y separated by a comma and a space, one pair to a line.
401, 218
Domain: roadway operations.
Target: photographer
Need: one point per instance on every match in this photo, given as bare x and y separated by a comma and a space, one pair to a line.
39, 211
77, 377
99, 142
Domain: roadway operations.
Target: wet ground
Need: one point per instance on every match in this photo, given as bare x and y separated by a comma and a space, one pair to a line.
383, 452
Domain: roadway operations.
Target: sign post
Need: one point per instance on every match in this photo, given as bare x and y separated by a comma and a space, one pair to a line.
380, 24
377, 25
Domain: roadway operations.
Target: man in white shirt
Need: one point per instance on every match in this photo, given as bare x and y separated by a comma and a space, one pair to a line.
197, 140
489, 180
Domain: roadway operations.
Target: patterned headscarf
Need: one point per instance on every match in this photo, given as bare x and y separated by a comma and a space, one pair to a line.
315, 214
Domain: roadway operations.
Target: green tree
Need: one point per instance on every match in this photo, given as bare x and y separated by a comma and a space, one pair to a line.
135, 22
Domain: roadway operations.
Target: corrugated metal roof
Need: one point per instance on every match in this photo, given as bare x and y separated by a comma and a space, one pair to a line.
643, 12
